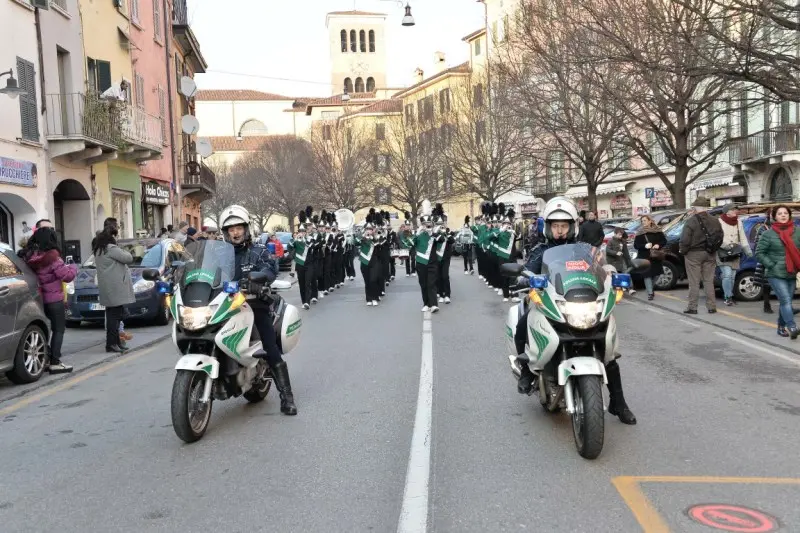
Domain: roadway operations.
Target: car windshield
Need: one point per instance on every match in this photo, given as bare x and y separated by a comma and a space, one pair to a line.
284, 237
145, 254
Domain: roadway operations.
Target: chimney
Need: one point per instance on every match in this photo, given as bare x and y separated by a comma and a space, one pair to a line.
419, 75
439, 62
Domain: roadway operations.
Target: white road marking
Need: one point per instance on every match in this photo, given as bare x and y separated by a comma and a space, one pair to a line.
689, 323
767, 350
654, 310
414, 512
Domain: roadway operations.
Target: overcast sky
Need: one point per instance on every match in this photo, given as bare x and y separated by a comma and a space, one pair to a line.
288, 39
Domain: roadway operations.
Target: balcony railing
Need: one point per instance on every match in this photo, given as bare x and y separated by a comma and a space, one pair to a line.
142, 129
764, 144
204, 180
550, 185
79, 116
180, 16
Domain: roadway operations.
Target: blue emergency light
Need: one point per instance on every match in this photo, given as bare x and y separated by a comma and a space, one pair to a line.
621, 281
538, 282
230, 287
164, 287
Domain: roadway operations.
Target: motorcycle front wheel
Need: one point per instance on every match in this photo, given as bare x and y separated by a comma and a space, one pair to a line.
588, 421
190, 416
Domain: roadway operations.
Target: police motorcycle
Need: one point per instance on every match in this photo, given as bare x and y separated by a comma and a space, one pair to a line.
214, 331
571, 334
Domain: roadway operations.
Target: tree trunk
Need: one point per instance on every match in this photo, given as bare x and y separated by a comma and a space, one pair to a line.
291, 223
591, 191
679, 187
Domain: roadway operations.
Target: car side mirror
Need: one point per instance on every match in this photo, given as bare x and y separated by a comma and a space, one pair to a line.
258, 277
151, 274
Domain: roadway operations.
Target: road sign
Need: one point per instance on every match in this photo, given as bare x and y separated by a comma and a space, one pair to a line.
733, 518
650, 192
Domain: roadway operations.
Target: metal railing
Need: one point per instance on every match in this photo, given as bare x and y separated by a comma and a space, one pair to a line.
180, 14
765, 143
140, 128
550, 185
82, 116
206, 178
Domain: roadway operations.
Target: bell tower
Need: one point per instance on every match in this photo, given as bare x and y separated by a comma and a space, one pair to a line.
358, 51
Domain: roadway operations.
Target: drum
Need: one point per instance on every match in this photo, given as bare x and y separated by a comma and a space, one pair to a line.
399, 253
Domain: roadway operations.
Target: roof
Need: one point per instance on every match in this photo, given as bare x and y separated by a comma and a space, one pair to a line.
463, 68
336, 100
232, 95
357, 13
474, 34
247, 144
384, 106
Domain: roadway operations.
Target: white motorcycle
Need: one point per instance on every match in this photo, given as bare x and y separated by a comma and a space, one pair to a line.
572, 335
214, 330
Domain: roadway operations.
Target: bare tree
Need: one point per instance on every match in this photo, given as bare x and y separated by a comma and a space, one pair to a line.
227, 191
484, 144
343, 158
568, 100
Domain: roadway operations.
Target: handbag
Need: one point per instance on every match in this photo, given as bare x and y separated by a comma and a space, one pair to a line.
732, 253
656, 253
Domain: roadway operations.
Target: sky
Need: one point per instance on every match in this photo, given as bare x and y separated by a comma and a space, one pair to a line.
261, 39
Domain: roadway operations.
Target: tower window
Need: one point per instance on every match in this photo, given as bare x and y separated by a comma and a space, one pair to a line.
370, 84
348, 85
353, 43
359, 85
371, 40
344, 40
362, 40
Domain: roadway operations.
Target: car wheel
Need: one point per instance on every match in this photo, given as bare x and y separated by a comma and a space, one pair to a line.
31, 356
163, 315
667, 280
745, 288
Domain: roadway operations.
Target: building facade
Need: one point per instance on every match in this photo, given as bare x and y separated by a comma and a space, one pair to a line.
358, 51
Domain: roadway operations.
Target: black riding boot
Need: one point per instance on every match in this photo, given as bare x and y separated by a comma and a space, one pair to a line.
616, 404
281, 375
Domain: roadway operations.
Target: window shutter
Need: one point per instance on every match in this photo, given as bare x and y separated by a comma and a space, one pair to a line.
103, 75
157, 19
135, 10
29, 119
162, 112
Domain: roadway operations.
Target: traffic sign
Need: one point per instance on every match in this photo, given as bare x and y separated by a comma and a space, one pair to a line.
733, 518
650, 192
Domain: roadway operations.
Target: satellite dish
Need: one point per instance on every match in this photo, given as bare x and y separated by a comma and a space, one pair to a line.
203, 147
188, 87
190, 124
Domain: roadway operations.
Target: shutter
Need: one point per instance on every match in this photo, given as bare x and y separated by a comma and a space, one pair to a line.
162, 110
29, 119
135, 10
103, 76
157, 19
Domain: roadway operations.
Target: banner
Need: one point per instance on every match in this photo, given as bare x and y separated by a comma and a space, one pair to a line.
621, 201
155, 193
18, 172
661, 198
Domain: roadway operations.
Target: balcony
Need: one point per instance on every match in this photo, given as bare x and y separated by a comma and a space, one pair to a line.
82, 127
187, 42
198, 182
549, 185
142, 135
766, 147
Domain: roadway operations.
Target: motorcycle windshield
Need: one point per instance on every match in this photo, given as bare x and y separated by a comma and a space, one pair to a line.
575, 266
212, 263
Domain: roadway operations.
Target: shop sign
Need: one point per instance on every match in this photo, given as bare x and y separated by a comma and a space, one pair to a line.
731, 191
156, 194
621, 201
661, 198
603, 214
528, 208
642, 210
582, 204
18, 172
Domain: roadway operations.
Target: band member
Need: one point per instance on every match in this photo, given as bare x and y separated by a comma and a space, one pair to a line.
314, 250
391, 239
369, 261
405, 242
504, 249
338, 254
349, 256
301, 249
444, 252
319, 257
466, 237
425, 243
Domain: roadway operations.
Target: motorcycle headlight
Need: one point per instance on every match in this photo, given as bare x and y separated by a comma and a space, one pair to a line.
194, 318
143, 285
581, 315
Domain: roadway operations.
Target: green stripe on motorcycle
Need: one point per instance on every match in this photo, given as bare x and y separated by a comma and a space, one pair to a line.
207, 369
549, 307
294, 326
232, 341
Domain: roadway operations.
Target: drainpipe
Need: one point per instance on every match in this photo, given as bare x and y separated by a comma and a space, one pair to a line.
171, 107
38, 24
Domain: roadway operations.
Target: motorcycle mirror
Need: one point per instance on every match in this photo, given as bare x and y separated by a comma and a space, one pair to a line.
151, 274
257, 277
511, 269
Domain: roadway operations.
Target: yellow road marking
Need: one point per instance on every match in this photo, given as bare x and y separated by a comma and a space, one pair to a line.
16, 406
727, 313
629, 487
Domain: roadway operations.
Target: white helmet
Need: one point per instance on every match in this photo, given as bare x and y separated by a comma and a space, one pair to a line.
560, 209
235, 215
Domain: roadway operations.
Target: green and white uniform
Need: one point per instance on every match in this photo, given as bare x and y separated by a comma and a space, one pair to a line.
424, 243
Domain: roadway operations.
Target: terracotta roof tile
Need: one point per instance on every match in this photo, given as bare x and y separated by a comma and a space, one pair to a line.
337, 99
463, 68
384, 106
228, 95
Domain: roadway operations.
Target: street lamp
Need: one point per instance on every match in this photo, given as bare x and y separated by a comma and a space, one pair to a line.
408, 18
12, 88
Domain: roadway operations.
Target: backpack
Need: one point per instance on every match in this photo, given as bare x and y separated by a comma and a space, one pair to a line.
713, 242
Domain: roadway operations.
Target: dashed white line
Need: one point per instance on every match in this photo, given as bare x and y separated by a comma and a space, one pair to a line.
414, 512
769, 351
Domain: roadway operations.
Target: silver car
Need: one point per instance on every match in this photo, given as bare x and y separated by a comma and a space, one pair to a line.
24, 328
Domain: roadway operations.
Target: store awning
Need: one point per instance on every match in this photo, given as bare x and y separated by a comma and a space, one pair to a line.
602, 189
703, 184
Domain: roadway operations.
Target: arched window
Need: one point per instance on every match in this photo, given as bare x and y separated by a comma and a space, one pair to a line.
781, 186
353, 43
371, 40
362, 40
370, 84
344, 40
359, 85
348, 85
252, 127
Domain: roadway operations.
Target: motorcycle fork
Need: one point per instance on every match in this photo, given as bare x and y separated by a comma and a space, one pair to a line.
206, 397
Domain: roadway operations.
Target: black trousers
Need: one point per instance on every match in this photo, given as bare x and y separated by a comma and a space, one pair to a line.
113, 318
337, 264
349, 268
481, 256
427, 282
505, 281
411, 262
443, 277
387, 267
372, 289
58, 324
319, 276
392, 267
304, 282
467, 253
327, 271
262, 319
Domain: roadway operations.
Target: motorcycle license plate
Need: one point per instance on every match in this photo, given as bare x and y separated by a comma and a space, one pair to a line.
97, 307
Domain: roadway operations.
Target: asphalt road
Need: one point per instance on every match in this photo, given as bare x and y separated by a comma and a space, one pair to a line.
97, 452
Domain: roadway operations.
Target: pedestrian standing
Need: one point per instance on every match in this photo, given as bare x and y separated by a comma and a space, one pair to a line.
43, 256
734, 246
649, 244
180, 235
591, 231
113, 283
779, 251
617, 253
701, 238
758, 276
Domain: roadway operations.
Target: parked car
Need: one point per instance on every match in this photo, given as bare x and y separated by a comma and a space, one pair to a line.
662, 218
83, 298
285, 261
24, 328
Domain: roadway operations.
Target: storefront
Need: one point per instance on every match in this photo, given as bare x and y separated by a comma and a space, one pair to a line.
605, 194
126, 199
660, 200
156, 198
720, 189
621, 206
19, 194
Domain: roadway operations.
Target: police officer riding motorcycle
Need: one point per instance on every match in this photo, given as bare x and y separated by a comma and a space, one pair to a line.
250, 257
560, 228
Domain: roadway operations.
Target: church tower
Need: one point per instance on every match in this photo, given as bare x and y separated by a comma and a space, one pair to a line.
358, 51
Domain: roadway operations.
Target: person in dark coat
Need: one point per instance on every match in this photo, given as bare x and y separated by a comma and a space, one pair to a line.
591, 231
650, 238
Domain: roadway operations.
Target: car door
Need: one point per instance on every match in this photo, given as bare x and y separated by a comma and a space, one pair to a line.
13, 287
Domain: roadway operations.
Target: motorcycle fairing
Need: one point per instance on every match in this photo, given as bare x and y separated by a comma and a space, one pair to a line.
199, 363
580, 366
234, 338
543, 340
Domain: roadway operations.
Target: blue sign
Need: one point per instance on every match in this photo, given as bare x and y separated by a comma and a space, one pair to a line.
18, 172
650, 192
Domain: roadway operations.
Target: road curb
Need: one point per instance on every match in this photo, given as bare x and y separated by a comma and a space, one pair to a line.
61, 377
725, 328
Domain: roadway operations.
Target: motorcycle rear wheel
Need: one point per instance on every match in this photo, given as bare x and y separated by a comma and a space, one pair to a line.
190, 417
588, 420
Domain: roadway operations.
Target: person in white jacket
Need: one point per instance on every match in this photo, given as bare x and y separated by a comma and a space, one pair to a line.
734, 246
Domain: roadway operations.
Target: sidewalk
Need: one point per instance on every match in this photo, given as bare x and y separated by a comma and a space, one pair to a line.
746, 318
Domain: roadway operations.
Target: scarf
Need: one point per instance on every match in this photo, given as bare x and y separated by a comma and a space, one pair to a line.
785, 231
655, 228
729, 220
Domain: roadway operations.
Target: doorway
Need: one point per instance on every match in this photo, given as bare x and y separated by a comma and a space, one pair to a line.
123, 211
